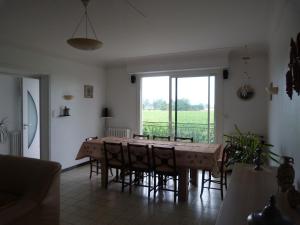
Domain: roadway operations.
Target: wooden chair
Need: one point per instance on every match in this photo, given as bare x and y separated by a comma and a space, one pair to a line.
162, 138
184, 139
141, 136
164, 165
139, 163
94, 163
114, 158
222, 181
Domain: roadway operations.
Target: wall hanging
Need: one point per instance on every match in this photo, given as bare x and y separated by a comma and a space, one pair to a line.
3, 130
293, 74
245, 92
88, 91
272, 90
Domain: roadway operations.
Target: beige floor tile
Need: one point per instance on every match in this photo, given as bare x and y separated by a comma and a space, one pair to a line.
84, 202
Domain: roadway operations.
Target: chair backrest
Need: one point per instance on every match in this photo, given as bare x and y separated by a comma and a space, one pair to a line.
226, 156
138, 156
184, 139
91, 138
141, 136
164, 159
166, 138
114, 154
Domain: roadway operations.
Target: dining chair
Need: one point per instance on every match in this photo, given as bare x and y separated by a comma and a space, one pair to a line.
164, 165
162, 138
222, 166
139, 163
141, 136
114, 158
184, 139
94, 163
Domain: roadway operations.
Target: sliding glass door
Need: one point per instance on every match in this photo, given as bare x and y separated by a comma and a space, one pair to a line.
179, 106
155, 106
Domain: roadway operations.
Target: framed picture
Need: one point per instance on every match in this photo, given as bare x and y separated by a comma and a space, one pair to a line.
88, 91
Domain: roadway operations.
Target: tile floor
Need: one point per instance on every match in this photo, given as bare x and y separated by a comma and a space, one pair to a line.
84, 202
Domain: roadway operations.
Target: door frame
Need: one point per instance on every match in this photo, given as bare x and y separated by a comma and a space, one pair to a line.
45, 105
216, 72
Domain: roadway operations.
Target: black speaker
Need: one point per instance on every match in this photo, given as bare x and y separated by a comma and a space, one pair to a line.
133, 79
225, 74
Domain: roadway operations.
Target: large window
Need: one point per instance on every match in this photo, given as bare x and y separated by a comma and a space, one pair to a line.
179, 106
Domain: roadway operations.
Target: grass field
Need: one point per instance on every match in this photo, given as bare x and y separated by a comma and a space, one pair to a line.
199, 117
190, 124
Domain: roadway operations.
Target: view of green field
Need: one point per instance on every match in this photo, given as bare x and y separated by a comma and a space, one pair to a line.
199, 117
190, 124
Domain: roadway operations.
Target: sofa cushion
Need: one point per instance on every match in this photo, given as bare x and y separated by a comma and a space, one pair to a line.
7, 200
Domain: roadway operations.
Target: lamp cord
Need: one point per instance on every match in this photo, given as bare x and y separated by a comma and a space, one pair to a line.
87, 22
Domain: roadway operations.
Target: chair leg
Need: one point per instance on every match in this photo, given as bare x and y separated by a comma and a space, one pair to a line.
117, 174
175, 188
123, 179
221, 186
130, 181
202, 182
225, 174
106, 179
154, 190
149, 185
97, 165
91, 167
111, 172
209, 181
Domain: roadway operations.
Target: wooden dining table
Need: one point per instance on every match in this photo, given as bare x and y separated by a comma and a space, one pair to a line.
189, 157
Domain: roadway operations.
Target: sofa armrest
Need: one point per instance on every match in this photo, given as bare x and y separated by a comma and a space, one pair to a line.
23, 207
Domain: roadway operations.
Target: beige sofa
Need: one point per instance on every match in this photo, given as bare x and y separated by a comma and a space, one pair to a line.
29, 191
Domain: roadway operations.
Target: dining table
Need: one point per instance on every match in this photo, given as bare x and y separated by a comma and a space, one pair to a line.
190, 157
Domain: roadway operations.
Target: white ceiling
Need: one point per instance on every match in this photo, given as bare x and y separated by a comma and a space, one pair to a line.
171, 26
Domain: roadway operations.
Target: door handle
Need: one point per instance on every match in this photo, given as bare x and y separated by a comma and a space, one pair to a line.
26, 125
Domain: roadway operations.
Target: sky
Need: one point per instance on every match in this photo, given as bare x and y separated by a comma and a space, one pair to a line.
195, 89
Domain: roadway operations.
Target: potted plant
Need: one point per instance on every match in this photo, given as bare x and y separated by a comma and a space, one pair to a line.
244, 147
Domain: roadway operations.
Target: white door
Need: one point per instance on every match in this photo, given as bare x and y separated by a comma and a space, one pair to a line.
31, 117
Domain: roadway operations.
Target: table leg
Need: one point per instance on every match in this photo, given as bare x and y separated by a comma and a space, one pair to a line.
103, 175
183, 185
194, 177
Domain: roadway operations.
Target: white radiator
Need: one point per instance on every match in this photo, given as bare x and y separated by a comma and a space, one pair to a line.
118, 132
15, 143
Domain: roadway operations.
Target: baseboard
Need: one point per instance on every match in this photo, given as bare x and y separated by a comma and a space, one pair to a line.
76, 166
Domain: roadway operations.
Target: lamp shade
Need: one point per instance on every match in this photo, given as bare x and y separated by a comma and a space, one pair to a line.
84, 43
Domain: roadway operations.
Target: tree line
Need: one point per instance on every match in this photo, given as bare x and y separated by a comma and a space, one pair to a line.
182, 105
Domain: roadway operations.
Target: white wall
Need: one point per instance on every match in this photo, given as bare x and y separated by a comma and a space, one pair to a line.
8, 106
122, 96
249, 115
284, 114
66, 77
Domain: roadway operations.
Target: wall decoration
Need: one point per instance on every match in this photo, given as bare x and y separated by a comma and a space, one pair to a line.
272, 90
3, 130
293, 74
88, 91
68, 97
246, 92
